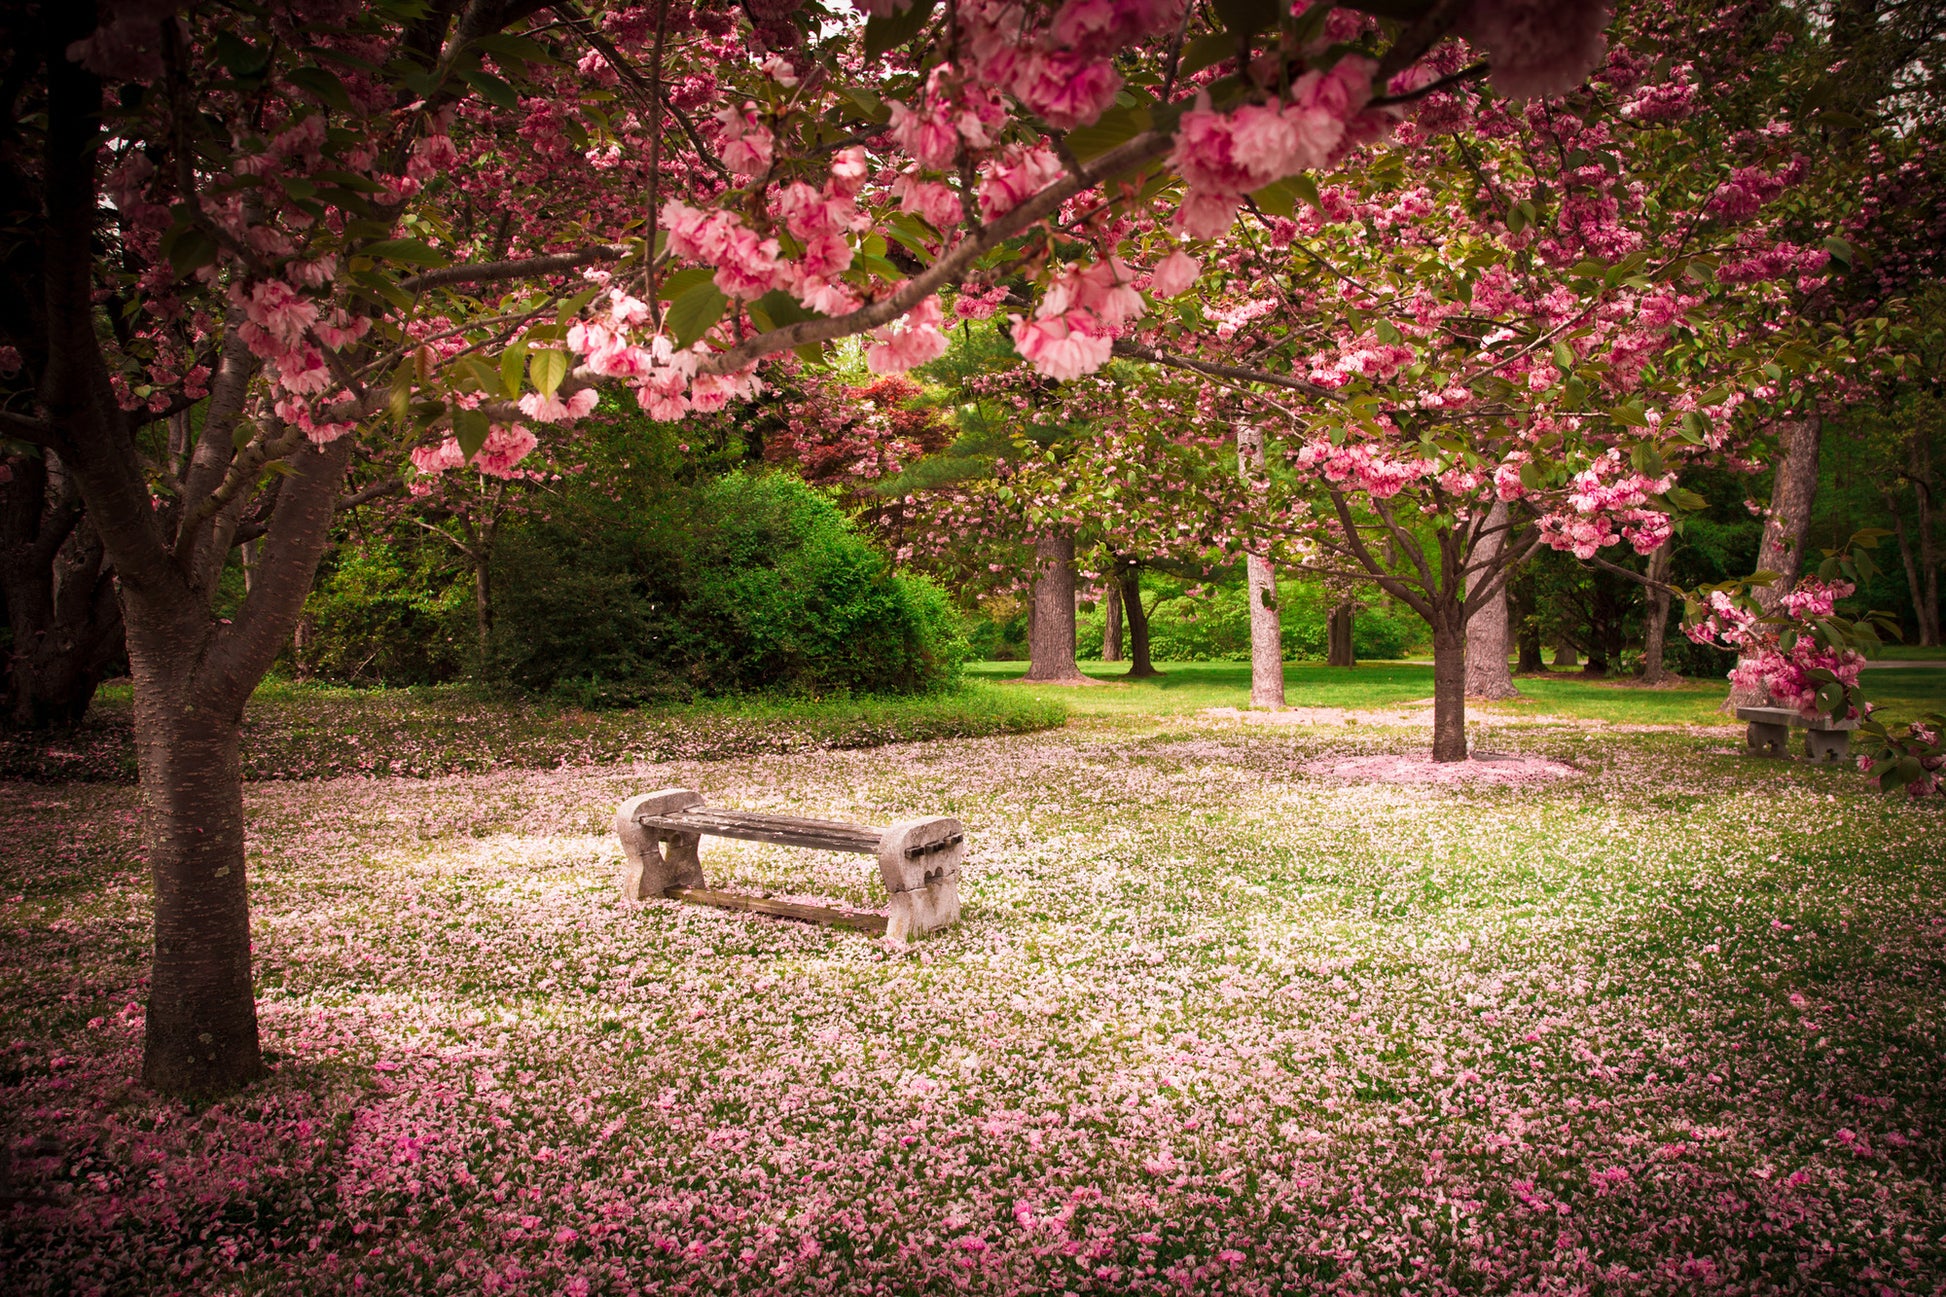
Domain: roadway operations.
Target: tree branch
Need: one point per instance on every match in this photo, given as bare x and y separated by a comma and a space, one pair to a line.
486, 272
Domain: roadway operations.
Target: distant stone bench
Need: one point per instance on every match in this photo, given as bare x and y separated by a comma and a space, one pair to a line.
919, 860
1770, 733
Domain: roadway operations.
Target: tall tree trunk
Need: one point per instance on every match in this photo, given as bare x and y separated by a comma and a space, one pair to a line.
1655, 631
202, 1013
482, 608
1339, 651
1050, 636
1266, 635
59, 593
1448, 687
1266, 621
1487, 674
1926, 594
1793, 491
1111, 623
1564, 653
1139, 666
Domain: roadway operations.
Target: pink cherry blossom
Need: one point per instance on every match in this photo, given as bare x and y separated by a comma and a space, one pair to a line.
1063, 347
911, 340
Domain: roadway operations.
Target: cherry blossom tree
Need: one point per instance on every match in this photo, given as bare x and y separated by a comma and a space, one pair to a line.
338, 233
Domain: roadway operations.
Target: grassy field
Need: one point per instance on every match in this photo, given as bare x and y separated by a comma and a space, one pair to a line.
1185, 688
1214, 1021
313, 731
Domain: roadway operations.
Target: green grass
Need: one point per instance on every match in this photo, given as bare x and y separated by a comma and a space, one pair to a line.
1909, 653
1185, 688
312, 731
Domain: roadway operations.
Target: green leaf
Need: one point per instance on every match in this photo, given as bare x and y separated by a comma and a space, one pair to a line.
322, 86
882, 34
240, 58
1280, 198
1839, 249
512, 361
492, 89
1684, 498
1388, 333
399, 400
1248, 17
189, 248
547, 369
470, 429
1116, 126
681, 281
1532, 477
1564, 356
693, 313
778, 308
572, 307
1630, 414
411, 251
1206, 51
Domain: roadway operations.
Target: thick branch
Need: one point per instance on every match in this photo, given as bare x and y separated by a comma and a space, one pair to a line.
487, 272
1135, 351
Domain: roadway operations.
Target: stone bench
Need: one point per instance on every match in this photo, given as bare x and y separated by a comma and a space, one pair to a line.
1770, 732
919, 860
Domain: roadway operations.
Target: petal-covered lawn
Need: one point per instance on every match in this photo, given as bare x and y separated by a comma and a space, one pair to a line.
1213, 1022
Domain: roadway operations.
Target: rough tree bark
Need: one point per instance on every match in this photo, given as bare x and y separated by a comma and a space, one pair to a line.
1050, 631
1655, 634
1339, 651
1139, 665
1793, 491
1266, 622
1448, 686
60, 598
1111, 624
1487, 674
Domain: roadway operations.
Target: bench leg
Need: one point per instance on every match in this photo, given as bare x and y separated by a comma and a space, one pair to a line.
653, 860
1765, 740
923, 909
1827, 745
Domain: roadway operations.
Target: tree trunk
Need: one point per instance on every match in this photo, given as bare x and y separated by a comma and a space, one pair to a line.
1111, 624
1448, 688
65, 624
1655, 634
1564, 654
1050, 636
1338, 648
1792, 493
1139, 666
202, 1013
1266, 636
1266, 622
1487, 674
482, 608
1926, 594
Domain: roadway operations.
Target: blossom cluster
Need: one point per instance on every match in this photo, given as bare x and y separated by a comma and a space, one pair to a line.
1790, 675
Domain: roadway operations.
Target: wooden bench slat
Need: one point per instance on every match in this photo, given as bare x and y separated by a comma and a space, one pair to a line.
824, 917
791, 821
822, 835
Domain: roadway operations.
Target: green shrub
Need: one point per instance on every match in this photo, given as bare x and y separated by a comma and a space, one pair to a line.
748, 582
387, 614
